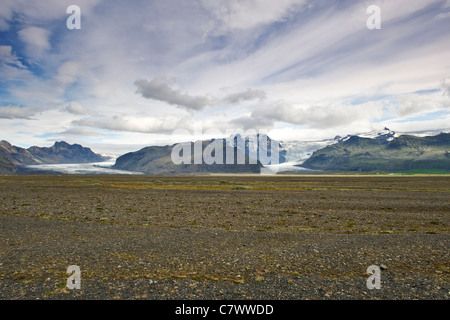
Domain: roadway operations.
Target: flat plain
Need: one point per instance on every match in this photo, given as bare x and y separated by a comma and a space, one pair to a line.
224, 236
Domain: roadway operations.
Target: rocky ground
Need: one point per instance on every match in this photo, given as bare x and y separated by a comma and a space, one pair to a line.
224, 237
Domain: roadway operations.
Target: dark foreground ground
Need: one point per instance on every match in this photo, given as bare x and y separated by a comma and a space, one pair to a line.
224, 237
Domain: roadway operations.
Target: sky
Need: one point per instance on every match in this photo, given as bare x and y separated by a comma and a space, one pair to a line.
153, 72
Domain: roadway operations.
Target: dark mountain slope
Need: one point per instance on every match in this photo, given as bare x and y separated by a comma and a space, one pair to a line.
402, 153
62, 152
12, 157
158, 160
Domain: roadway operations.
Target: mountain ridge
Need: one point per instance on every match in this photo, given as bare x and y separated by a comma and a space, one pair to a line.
399, 153
386, 150
12, 158
158, 160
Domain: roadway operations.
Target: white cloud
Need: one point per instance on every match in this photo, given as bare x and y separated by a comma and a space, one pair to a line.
249, 94
36, 40
241, 15
35, 92
418, 126
79, 132
413, 104
39, 11
445, 86
15, 112
68, 72
322, 71
315, 116
6, 14
11, 67
133, 124
76, 108
159, 89
8, 57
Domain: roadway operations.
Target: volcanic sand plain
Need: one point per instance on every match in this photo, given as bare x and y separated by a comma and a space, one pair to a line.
193, 237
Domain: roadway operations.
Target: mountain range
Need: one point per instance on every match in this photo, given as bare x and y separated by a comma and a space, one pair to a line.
374, 151
158, 160
13, 158
384, 152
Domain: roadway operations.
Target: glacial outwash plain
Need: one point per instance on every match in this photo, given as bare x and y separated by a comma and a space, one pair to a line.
293, 237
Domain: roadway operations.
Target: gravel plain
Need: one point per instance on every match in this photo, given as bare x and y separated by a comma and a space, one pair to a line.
224, 237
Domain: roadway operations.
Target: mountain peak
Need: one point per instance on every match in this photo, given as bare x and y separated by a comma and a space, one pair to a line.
385, 135
5, 143
383, 151
61, 144
14, 159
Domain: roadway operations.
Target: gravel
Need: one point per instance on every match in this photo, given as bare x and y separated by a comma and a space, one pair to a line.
177, 259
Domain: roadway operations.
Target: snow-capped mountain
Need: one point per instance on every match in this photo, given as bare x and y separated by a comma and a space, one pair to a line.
385, 135
296, 152
299, 151
253, 145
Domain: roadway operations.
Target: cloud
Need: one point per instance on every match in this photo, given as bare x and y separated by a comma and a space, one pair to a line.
15, 112
76, 108
285, 64
252, 122
68, 72
36, 40
8, 57
37, 92
249, 94
445, 86
159, 89
411, 104
134, 124
318, 117
6, 14
79, 132
343, 115
39, 11
242, 15
11, 67
433, 125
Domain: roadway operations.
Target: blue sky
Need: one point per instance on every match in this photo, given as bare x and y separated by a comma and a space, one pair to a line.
149, 72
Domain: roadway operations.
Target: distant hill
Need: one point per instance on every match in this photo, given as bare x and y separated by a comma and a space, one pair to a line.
405, 152
62, 152
158, 160
12, 157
